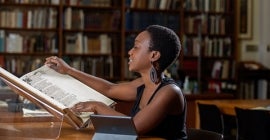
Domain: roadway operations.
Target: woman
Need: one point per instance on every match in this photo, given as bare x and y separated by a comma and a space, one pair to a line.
160, 107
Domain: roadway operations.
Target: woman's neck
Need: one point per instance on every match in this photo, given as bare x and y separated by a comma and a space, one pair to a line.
149, 83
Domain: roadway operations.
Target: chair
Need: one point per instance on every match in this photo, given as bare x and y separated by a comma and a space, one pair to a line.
252, 124
211, 118
199, 134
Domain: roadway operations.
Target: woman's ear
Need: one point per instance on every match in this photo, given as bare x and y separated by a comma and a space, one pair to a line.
155, 55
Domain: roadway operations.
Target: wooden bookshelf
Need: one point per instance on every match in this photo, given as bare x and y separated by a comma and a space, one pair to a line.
95, 36
87, 34
209, 45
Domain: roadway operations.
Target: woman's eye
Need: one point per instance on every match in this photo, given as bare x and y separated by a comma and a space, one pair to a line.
136, 46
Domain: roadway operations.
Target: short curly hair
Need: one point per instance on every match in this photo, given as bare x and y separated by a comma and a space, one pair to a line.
167, 42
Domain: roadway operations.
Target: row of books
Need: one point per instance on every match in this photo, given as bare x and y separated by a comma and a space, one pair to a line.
55, 2
207, 24
208, 5
210, 47
21, 65
28, 43
140, 20
73, 19
215, 86
74, 43
153, 4
219, 72
221, 69
254, 89
28, 18
79, 19
98, 3
101, 66
82, 44
98, 66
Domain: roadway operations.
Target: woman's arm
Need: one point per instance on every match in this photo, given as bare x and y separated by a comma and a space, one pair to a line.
122, 91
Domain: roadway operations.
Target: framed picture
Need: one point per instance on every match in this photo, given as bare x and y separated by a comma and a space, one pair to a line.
245, 19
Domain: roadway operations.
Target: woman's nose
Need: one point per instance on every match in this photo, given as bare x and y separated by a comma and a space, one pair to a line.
130, 51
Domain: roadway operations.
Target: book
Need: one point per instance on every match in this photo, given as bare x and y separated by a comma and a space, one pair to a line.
56, 93
262, 88
2, 40
14, 43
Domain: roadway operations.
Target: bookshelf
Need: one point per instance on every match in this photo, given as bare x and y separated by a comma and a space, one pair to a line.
94, 36
26, 35
209, 46
87, 34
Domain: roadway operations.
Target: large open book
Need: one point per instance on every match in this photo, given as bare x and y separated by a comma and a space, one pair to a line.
55, 92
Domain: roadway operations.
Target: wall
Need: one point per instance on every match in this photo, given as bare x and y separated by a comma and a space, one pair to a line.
265, 33
260, 34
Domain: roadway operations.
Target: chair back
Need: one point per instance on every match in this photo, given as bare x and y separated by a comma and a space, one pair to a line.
252, 124
211, 118
199, 134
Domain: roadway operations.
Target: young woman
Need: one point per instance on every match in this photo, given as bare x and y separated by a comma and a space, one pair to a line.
160, 107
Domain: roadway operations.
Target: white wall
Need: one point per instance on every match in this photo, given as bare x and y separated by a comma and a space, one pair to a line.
265, 33
260, 34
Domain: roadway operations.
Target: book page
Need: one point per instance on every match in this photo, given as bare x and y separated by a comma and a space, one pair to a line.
64, 89
20, 85
55, 92
35, 113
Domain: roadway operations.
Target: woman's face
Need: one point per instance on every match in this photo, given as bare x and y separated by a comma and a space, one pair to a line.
139, 55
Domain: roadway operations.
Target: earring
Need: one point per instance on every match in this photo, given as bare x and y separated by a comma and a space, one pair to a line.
153, 74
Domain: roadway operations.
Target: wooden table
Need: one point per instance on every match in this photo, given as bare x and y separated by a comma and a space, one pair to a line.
69, 133
42, 131
14, 126
227, 106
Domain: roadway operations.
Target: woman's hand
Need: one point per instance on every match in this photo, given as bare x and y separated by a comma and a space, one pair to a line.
89, 106
95, 107
58, 64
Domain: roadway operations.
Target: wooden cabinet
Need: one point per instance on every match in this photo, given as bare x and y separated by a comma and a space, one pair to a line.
95, 36
253, 80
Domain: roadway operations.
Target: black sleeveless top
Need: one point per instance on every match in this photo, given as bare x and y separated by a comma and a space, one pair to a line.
173, 126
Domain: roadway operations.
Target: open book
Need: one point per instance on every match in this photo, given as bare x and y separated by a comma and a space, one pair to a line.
55, 92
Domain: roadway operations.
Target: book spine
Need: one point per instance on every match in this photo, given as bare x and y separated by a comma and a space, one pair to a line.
2, 40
